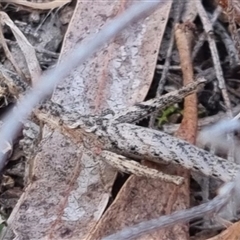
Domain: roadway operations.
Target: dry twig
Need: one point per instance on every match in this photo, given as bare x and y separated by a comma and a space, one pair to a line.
216, 61
217, 66
163, 79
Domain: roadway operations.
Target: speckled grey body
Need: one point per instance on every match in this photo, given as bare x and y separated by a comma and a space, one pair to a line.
113, 132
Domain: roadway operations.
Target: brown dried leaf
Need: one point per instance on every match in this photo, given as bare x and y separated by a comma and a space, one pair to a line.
27, 49
70, 188
231, 9
231, 233
39, 6
139, 198
235, 9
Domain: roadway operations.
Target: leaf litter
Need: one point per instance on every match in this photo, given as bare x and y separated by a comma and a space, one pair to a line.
210, 99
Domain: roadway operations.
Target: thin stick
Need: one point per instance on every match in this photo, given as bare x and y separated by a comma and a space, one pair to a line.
201, 39
207, 25
48, 81
162, 81
229, 44
169, 51
216, 61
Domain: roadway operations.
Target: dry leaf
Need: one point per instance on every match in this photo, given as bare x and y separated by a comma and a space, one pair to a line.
231, 233
27, 49
39, 6
71, 188
235, 9
138, 199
